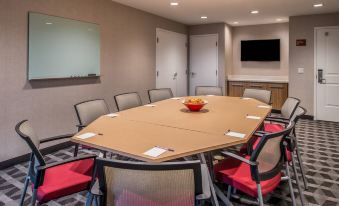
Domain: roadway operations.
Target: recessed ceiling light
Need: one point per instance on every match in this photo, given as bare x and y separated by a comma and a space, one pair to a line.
235, 22
279, 19
204, 17
255, 12
49, 23
174, 3
318, 5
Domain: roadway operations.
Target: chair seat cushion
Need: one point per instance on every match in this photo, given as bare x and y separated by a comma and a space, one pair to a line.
272, 128
65, 179
237, 174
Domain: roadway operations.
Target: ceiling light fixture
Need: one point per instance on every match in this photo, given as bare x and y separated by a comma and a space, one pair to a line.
235, 22
49, 23
174, 3
279, 19
203, 17
255, 12
318, 5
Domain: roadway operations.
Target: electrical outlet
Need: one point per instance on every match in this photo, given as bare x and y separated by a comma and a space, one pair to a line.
301, 70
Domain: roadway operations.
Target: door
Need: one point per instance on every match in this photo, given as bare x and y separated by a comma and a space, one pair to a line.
327, 74
171, 61
203, 61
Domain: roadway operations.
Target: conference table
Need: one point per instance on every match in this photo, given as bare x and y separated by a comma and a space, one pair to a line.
170, 126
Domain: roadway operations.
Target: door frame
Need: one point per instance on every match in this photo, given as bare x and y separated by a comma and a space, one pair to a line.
189, 59
187, 54
315, 69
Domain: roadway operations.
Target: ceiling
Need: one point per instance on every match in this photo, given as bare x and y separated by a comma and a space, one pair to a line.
230, 11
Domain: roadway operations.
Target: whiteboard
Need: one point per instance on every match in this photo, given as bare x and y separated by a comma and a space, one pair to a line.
62, 48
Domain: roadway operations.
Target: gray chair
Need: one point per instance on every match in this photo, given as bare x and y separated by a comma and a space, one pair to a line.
138, 183
65, 177
127, 101
156, 95
208, 90
89, 111
258, 94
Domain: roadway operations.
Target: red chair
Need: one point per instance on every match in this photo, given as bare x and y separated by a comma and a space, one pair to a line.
51, 181
259, 173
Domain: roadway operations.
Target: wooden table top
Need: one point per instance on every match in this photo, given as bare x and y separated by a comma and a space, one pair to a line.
170, 125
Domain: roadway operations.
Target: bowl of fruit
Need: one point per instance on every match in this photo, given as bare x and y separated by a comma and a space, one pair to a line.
194, 104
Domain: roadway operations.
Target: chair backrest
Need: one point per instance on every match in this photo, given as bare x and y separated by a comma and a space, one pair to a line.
269, 154
89, 111
26, 132
258, 94
289, 107
139, 183
208, 90
127, 101
156, 95
299, 112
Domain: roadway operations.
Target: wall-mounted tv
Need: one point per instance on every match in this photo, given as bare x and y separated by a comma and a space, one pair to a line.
260, 50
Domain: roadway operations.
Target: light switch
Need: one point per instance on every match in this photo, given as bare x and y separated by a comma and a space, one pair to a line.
301, 70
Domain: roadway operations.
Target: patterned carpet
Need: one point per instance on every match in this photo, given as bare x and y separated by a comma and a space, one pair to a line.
319, 142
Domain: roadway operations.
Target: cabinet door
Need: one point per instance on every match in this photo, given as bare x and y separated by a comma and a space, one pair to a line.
256, 85
279, 94
236, 89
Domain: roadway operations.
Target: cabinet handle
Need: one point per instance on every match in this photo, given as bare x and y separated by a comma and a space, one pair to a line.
256, 86
239, 85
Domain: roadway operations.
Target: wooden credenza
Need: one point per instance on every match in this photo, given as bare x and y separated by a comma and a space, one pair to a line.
279, 90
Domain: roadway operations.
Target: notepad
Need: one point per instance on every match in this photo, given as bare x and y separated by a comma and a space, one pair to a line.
252, 117
155, 152
235, 134
112, 115
149, 105
246, 98
264, 106
86, 135
176, 98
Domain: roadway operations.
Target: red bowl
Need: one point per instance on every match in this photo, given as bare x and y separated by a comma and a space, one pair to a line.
195, 107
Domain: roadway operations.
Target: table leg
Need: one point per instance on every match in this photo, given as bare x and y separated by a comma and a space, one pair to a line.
215, 191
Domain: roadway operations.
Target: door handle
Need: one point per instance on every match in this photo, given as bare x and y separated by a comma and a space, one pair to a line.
321, 79
193, 73
175, 75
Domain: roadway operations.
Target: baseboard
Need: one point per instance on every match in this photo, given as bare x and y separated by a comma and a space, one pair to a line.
309, 117
24, 158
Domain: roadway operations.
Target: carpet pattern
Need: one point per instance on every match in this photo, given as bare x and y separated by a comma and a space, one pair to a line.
318, 141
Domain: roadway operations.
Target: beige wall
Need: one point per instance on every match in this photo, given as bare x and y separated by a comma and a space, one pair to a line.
302, 27
127, 64
265, 31
224, 35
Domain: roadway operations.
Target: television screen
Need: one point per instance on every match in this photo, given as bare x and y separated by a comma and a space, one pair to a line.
260, 50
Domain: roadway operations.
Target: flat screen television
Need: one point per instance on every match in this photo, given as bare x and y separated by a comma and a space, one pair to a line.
260, 50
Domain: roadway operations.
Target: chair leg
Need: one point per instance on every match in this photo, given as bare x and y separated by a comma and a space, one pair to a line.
260, 198
89, 199
290, 184
34, 193
76, 149
22, 198
302, 170
229, 190
302, 197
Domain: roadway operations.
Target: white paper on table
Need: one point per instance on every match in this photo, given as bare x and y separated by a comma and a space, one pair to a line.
252, 117
246, 98
86, 135
176, 98
264, 106
235, 134
149, 105
155, 152
112, 115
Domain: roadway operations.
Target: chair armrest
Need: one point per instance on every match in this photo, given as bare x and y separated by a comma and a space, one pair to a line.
74, 159
206, 192
50, 139
260, 133
235, 156
80, 126
274, 118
